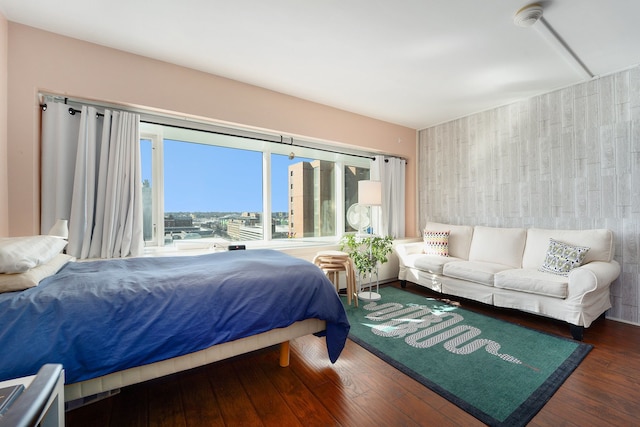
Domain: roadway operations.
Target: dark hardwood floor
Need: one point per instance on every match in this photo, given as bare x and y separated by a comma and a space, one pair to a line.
361, 390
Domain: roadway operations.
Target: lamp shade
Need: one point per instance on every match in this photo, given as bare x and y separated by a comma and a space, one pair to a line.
370, 193
60, 229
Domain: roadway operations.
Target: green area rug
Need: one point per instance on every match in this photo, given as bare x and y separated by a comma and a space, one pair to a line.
499, 372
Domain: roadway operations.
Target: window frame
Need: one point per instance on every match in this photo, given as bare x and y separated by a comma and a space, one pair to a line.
158, 132
157, 183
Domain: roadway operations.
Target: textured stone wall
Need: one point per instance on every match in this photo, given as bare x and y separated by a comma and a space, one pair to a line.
568, 159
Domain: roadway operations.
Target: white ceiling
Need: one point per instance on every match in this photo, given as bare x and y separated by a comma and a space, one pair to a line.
412, 62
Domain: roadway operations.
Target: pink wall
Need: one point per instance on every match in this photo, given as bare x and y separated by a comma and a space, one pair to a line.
4, 178
49, 62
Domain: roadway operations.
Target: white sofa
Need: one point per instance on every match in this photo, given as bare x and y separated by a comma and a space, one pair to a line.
500, 266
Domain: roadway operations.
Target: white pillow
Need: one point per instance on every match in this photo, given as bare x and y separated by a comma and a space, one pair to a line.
19, 254
31, 278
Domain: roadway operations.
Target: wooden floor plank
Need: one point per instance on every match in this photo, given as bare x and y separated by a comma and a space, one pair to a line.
199, 400
165, 403
130, 408
233, 401
299, 396
269, 403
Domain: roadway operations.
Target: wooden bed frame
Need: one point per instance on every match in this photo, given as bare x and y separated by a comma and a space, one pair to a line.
90, 390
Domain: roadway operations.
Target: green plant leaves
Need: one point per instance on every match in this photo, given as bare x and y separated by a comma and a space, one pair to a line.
366, 251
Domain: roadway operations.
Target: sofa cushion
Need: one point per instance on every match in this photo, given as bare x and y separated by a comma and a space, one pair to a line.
436, 242
431, 263
459, 237
498, 245
562, 257
533, 281
410, 259
473, 271
599, 241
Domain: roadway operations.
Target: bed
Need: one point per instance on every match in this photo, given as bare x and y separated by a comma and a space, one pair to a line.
113, 323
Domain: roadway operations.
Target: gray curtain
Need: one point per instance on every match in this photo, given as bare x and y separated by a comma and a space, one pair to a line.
58, 154
101, 193
388, 219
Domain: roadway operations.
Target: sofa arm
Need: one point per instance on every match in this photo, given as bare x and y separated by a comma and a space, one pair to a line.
591, 277
403, 250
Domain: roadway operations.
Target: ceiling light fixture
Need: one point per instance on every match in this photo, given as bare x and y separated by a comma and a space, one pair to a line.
529, 15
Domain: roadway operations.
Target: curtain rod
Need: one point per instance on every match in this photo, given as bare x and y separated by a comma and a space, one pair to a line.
73, 111
255, 138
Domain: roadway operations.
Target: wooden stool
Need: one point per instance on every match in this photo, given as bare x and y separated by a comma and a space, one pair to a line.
332, 263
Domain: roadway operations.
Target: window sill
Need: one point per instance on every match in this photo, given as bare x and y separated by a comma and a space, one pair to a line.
296, 247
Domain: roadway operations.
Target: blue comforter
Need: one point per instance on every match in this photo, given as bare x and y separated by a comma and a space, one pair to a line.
100, 317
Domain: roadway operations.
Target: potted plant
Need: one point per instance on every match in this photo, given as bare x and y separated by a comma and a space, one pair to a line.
366, 251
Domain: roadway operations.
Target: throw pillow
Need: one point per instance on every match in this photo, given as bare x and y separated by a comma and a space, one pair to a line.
31, 278
436, 242
19, 254
562, 257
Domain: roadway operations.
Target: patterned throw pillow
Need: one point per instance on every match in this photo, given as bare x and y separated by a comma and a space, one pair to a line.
436, 242
562, 257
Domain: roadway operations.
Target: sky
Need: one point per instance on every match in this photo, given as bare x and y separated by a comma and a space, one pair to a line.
204, 178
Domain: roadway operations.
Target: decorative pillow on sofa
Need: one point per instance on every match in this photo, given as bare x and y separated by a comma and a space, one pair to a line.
562, 257
436, 242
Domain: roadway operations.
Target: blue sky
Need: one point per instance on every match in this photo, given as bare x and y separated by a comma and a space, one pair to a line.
202, 178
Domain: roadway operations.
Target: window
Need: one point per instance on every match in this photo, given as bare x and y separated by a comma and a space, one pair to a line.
352, 174
146, 150
204, 185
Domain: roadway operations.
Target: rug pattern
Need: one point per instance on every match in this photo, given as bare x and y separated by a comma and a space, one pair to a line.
499, 372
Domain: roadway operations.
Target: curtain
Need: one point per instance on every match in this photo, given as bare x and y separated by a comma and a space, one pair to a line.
393, 195
376, 211
58, 157
103, 199
390, 217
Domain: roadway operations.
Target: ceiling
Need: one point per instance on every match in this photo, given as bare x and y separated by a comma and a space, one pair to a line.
411, 62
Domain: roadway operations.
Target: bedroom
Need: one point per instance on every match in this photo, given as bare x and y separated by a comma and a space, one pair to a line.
35, 60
